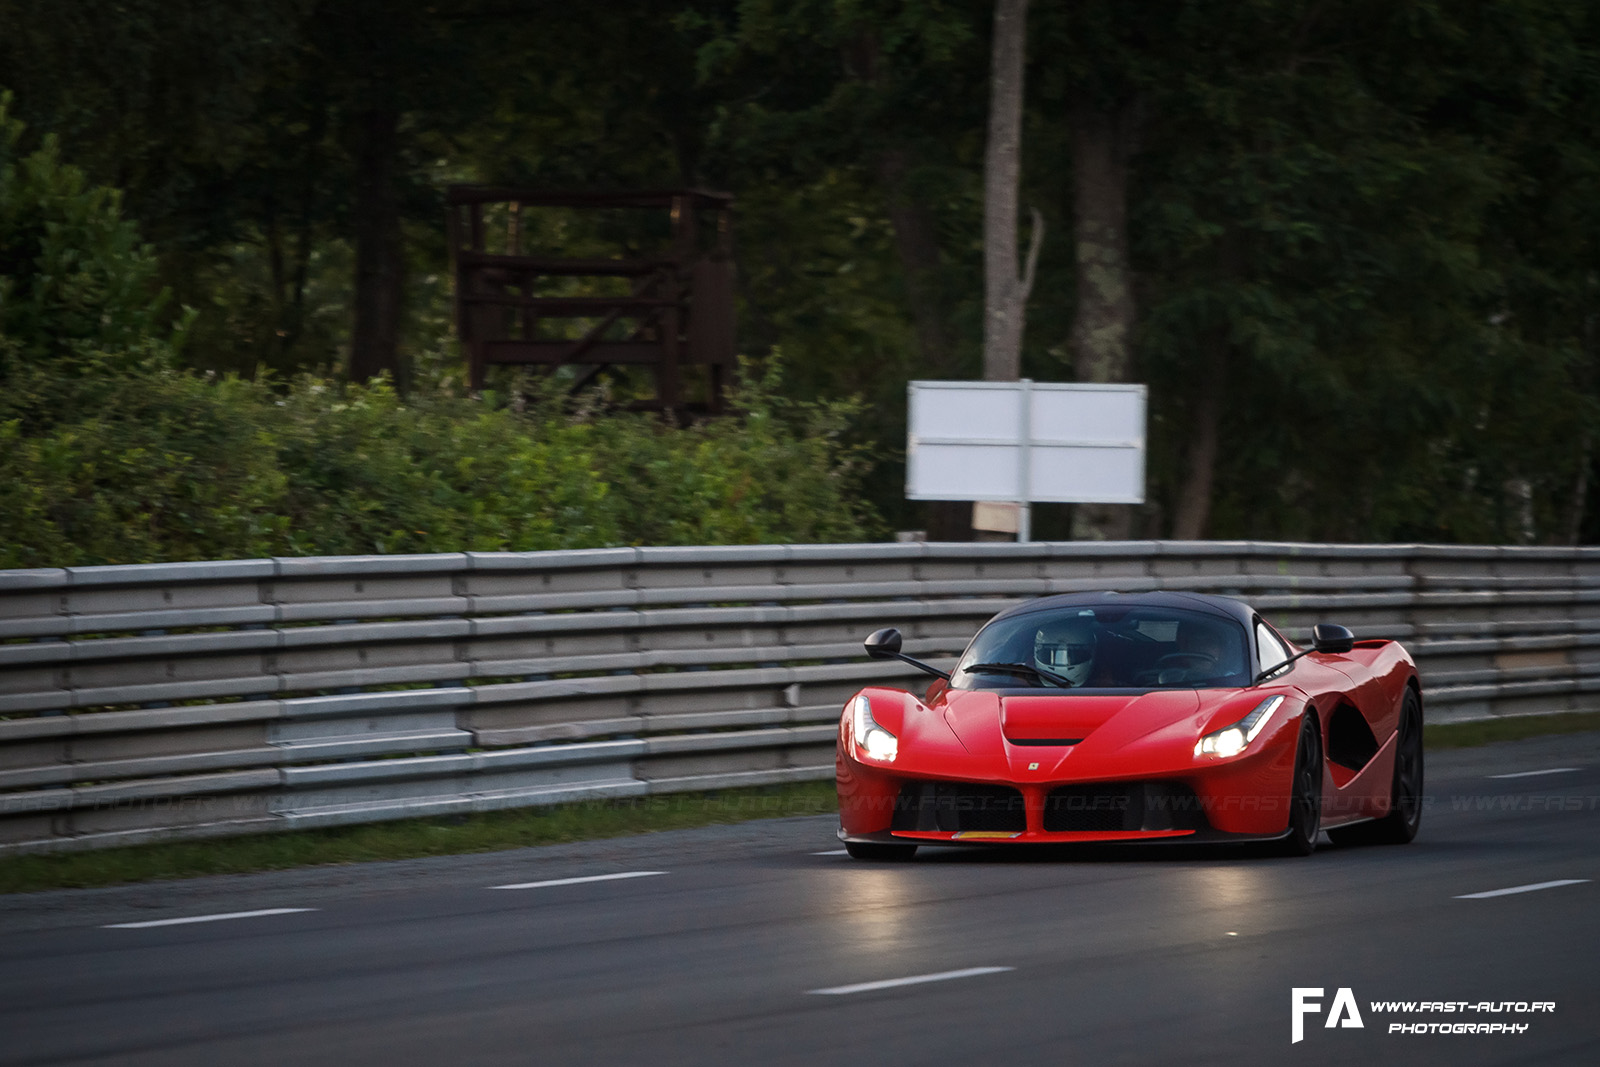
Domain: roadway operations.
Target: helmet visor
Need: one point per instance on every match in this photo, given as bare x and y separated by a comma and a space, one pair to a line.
1065, 655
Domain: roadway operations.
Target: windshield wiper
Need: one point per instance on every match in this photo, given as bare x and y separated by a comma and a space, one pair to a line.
1018, 668
1270, 671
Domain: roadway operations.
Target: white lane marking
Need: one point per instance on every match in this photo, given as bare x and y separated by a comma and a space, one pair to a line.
578, 881
916, 979
1522, 889
205, 918
833, 852
1532, 774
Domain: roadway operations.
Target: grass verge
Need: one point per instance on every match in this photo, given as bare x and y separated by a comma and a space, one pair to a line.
521, 827
412, 838
1468, 734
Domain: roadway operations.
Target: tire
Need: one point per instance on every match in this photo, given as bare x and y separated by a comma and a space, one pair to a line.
862, 850
1305, 793
1400, 826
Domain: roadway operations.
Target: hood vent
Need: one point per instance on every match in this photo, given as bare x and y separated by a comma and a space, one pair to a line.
1066, 718
1058, 719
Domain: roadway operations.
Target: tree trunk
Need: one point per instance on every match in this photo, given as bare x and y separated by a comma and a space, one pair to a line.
1573, 526
916, 237
1580, 504
1200, 462
1102, 328
312, 163
1005, 293
916, 243
1583, 385
380, 260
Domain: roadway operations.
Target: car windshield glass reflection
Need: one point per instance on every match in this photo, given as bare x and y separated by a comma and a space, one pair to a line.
1106, 646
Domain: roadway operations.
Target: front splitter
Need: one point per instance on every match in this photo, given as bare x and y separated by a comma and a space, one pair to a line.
1038, 837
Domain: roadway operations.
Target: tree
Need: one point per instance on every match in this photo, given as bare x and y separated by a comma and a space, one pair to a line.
1005, 291
393, 72
80, 299
1352, 248
1106, 55
1319, 214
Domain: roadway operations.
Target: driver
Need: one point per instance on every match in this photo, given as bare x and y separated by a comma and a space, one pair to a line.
1066, 649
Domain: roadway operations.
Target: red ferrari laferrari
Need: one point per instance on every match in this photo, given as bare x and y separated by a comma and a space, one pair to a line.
1136, 717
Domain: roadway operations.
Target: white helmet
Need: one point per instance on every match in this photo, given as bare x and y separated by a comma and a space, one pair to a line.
1065, 648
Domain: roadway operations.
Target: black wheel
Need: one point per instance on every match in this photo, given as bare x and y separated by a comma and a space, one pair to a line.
1405, 795
862, 850
1305, 792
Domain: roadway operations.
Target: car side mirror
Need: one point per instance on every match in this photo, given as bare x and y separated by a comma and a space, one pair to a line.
883, 644
1330, 637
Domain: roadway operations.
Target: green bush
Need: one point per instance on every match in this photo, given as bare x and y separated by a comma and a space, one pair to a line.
172, 467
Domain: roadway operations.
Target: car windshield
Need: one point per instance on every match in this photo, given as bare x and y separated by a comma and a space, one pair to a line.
1106, 646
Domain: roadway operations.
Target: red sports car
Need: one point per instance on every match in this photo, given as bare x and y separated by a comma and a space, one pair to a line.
1136, 717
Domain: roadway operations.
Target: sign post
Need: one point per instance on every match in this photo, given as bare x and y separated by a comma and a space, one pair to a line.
1026, 442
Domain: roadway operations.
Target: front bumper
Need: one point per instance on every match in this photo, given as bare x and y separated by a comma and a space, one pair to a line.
1170, 797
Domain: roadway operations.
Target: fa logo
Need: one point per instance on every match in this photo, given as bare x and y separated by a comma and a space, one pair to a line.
1343, 1012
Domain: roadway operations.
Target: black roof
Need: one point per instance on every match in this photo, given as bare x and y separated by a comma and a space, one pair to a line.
1224, 607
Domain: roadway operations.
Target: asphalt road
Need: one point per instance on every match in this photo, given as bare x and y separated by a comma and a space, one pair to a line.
1112, 956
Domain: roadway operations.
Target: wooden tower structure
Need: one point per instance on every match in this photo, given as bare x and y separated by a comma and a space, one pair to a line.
673, 311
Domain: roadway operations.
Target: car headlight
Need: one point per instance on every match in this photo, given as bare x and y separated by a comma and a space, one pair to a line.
1232, 740
871, 738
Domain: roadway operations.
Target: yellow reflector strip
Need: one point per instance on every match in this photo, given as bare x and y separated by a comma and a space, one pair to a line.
985, 835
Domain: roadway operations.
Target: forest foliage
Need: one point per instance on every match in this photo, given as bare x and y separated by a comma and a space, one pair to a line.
1371, 228
112, 452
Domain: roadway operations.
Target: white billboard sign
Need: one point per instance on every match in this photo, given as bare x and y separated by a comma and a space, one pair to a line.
1026, 442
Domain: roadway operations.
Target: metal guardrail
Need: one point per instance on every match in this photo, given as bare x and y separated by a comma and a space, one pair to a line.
185, 700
